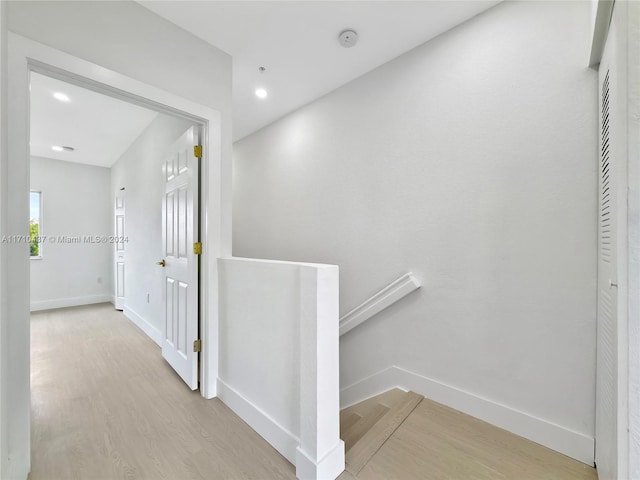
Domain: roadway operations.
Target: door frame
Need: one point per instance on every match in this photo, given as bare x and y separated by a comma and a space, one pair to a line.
26, 56
117, 213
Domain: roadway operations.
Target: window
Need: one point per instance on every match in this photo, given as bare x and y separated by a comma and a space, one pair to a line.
35, 224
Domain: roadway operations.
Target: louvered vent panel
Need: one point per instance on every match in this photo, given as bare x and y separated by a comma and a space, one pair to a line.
605, 171
607, 361
606, 349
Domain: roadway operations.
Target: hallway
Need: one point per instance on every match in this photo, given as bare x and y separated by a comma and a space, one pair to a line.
105, 405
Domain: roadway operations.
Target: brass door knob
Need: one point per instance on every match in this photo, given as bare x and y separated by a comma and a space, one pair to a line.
162, 263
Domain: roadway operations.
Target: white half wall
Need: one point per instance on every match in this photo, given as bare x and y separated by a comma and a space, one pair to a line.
471, 162
279, 358
139, 172
76, 203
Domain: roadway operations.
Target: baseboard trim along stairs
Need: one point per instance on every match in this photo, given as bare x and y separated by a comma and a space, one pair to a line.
573, 444
367, 426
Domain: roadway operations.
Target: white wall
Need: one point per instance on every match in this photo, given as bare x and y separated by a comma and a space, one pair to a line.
4, 353
139, 171
470, 161
125, 38
76, 203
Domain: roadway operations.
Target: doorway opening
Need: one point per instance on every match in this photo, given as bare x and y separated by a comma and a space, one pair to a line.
115, 212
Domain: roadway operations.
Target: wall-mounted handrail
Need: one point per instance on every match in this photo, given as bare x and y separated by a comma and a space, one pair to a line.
381, 300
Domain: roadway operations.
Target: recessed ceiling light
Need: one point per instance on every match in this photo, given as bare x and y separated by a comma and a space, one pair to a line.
261, 93
64, 148
61, 96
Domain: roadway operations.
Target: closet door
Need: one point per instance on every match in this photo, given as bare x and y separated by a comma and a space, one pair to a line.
607, 315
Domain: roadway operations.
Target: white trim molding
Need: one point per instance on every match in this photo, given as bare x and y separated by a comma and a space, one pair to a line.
39, 305
152, 332
556, 437
604, 10
275, 434
381, 300
281, 439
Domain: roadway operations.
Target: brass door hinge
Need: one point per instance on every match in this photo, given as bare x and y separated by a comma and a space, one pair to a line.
197, 151
197, 248
197, 345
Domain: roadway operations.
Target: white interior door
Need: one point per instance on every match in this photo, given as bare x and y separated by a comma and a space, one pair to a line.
180, 272
607, 315
119, 251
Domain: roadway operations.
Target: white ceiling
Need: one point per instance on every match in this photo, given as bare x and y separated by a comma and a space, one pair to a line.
100, 128
297, 43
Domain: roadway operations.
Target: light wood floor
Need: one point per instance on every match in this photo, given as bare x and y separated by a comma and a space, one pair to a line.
435, 442
106, 406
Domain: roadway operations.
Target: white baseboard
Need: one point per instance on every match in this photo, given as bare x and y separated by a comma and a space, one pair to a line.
153, 333
568, 442
38, 305
328, 468
113, 299
18, 465
279, 437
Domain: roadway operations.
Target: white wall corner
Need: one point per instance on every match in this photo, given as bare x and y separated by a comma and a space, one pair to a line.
152, 332
556, 437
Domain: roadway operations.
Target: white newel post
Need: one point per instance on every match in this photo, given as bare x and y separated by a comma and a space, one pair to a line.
320, 455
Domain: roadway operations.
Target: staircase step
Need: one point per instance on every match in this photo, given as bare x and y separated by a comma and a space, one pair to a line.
362, 426
362, 451
388, 399
347, 420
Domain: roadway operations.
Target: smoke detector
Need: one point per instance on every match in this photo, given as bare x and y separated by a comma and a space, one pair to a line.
348, 38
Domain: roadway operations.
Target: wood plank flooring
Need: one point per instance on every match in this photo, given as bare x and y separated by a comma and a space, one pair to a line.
438, 443
105, 405
383, 423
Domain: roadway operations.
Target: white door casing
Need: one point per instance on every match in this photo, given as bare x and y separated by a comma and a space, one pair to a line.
180, 213
119, 251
